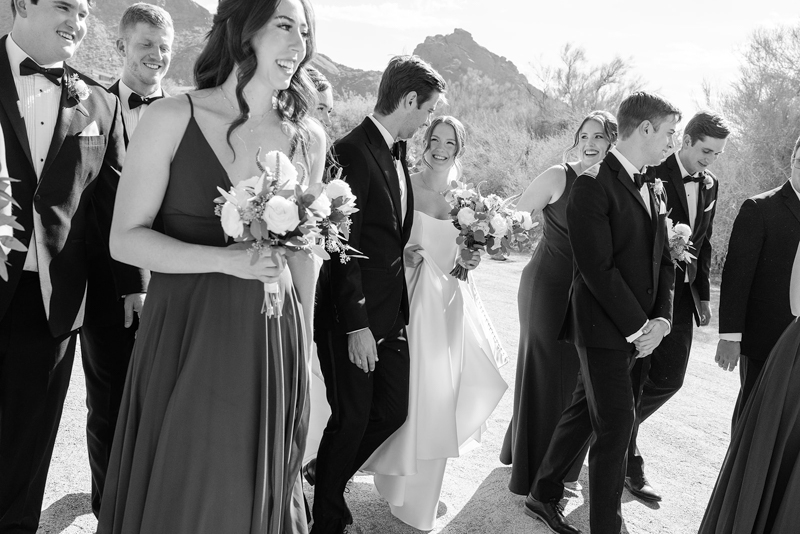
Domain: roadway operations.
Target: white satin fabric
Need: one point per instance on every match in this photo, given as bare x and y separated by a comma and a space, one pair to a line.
454, 381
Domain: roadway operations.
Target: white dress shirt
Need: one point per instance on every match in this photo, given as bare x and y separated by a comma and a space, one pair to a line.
131, 117
737, 336
401, 175
39, 100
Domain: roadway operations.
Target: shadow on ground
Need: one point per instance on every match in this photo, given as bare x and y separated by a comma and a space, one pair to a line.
62, 513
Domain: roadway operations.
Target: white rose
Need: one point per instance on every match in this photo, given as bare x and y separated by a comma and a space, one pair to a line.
499, 225
288, 173
527, 221
231, 221
466, 216
338, 188
684, 231
321, 207
281, 215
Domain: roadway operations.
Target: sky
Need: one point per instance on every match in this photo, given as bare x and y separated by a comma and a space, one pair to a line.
673, 46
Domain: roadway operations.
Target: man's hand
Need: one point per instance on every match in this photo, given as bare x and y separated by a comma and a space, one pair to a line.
362, 349
705, 312
133, 303
728, 353
411, 257
653, 332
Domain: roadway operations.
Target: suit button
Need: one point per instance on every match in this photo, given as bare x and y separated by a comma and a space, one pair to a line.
649, 291
37, 197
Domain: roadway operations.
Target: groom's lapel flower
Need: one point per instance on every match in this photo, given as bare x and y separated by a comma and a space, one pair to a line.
77, 88
658, 187
708, 181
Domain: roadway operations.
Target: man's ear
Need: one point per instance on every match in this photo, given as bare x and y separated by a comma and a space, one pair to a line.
120, 45
21, 8
646, 127
410, 99
687, 140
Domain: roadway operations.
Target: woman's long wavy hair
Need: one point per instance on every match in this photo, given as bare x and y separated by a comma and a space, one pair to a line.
229, 45
606, 120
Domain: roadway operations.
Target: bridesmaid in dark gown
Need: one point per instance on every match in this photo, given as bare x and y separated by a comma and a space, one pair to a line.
214, 416
547, 369
758, 489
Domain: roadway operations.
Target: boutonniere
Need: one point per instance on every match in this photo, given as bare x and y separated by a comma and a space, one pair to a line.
708, 181
658, 187
77, 88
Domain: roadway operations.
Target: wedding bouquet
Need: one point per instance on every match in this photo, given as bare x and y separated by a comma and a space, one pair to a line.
8, 223
274, 213
335, 228
485, 223
678, 238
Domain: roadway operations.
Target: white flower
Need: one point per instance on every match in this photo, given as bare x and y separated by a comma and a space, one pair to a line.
281, 215
708, 181
683, 231
77, 88
279, 164
232, 221
338, 188
466, 216
527, 221
321, 207
499, 225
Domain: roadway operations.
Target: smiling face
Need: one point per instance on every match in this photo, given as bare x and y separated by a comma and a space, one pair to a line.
696, 157
280, 45
322, 111
659, 138
147, 51
592, 143
443, 149
50, 30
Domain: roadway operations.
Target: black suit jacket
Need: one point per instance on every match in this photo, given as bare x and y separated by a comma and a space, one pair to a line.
77, 171
754, 295
698, 270
368, 292
623, 272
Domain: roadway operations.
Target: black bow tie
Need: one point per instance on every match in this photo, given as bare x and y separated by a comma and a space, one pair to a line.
399, 150
29, 66
648, 177
696, 179
136, 100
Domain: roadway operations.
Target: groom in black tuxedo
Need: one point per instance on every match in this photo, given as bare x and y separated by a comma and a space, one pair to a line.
691, 200
620, 309
362, 305
754, 305
63, 142
109, 328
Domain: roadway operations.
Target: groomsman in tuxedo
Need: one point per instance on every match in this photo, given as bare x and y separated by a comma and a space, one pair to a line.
754, 295
63, 142
109, 327
692, 200
362, 305
620, 308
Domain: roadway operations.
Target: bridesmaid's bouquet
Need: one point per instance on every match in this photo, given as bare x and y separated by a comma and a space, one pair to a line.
275, 214
485, 223
335, 228
8, 223
678, 238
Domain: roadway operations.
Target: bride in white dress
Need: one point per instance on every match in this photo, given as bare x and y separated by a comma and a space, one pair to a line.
454, 381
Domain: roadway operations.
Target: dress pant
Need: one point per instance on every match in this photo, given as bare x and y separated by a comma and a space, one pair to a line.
663, 371
749, 371
366, 408
603, 406
35, 369
105, 353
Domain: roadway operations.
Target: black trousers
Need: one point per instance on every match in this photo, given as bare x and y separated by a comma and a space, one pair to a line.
366, 408
664, 370
749, 371
105, 354
35, 369
603, 406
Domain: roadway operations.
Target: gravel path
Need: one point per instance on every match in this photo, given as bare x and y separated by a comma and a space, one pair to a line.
684, 445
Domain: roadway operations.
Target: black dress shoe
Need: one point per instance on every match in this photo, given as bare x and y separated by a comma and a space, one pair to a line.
310, 472
641, 488
551, 514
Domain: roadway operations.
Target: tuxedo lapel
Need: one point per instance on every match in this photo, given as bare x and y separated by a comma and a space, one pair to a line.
383, 157
114, 90
701, 203
677, 183
409, 204
627, 181
66, 111
10, 101
792, 202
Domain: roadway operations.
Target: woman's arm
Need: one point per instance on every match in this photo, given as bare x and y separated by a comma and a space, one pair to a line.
142, 186
543, 190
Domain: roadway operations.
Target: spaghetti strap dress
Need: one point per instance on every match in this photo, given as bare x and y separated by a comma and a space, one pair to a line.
214, 415
547, 369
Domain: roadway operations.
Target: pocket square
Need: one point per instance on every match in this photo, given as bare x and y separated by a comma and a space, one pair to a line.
90, 130
710, 205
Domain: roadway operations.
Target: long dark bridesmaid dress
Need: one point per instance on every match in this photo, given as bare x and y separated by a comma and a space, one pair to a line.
758, 489
547, 369
214, 416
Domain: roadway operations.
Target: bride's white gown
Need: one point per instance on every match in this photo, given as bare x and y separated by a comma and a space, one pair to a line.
454, 381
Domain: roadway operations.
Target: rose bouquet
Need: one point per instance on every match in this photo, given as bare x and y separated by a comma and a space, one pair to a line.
335, 228
678, 238
274, 213
8, 223
485, 223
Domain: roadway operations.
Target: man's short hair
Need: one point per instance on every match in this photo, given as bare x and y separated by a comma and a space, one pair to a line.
403, 75
642, 106
142, 12
707, 124
90, 3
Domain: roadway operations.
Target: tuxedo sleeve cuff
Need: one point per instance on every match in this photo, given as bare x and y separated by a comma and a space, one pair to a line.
731, 337
636, 335
359, 330
669, 326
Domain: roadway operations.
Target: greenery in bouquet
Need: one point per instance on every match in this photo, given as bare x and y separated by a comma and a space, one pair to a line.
335, 228
8, 223
678, 238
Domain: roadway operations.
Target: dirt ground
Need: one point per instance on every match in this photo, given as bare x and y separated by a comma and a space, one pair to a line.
683, 444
